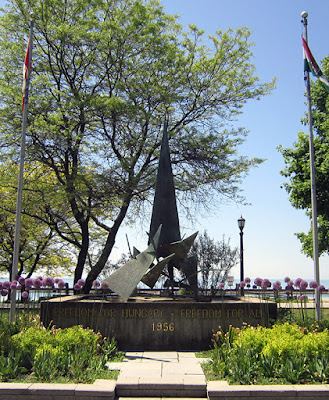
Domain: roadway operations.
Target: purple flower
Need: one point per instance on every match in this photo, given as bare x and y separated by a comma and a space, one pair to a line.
258, 281
96, 283
303, 285
291, 283
19, 287
6, 285
28, 282
37, 283
25, 295
242, 284
4, 292
81, 282
247, 280
297, 282
287, 279
301, 298
313, 285
49, 282
266, 284
13, 286
104, 285
21, 280
321, 288
277, 285
61, 284
221, 285
77, 286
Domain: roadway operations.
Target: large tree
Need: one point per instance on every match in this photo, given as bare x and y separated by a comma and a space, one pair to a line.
41, 248
105, 75
297, 170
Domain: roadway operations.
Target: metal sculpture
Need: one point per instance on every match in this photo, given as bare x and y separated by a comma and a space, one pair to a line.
165, 242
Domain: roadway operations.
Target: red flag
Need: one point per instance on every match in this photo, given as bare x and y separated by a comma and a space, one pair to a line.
311, 65
26, 70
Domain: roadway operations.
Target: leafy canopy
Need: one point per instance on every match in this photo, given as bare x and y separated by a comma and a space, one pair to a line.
105, 75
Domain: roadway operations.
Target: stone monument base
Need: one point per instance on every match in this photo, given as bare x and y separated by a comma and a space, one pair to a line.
153, 323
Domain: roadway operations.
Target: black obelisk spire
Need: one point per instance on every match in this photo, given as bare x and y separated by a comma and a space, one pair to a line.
164, 205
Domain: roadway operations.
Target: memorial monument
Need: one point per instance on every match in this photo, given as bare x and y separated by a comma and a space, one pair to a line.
140, 322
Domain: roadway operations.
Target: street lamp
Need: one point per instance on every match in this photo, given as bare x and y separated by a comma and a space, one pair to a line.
241, 223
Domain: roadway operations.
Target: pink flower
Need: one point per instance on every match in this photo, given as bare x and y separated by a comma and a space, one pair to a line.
96, 284
321, 288
77, 286
25, 295
287, 279
81, 282
247, 280
277, 285
104, 285
242, 284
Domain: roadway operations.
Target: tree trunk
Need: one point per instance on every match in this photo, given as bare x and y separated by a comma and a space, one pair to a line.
97, 268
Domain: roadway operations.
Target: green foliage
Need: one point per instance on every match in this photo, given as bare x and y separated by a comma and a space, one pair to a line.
105, 75
285, 353
10, 366
74, 353
40, 245
297, 169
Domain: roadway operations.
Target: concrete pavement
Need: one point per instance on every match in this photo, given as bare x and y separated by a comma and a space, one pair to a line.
161, 374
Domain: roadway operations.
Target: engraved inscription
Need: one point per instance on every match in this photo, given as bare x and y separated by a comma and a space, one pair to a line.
163, 326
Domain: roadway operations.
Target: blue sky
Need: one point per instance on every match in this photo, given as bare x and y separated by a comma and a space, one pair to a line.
270, 247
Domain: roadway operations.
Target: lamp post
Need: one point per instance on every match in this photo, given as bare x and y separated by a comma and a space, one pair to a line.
241, 223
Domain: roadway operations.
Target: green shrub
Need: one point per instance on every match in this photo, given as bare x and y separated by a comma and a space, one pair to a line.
76, 338
284, 353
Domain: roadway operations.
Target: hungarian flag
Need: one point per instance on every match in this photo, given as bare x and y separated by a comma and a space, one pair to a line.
26, 70
311, 65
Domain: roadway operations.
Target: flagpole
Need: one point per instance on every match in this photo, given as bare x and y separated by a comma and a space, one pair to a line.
14, 269
313, 183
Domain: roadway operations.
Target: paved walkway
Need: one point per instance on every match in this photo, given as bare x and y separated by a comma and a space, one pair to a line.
160, 374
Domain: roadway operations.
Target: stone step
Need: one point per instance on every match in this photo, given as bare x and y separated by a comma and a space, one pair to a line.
189, 387
160, 398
